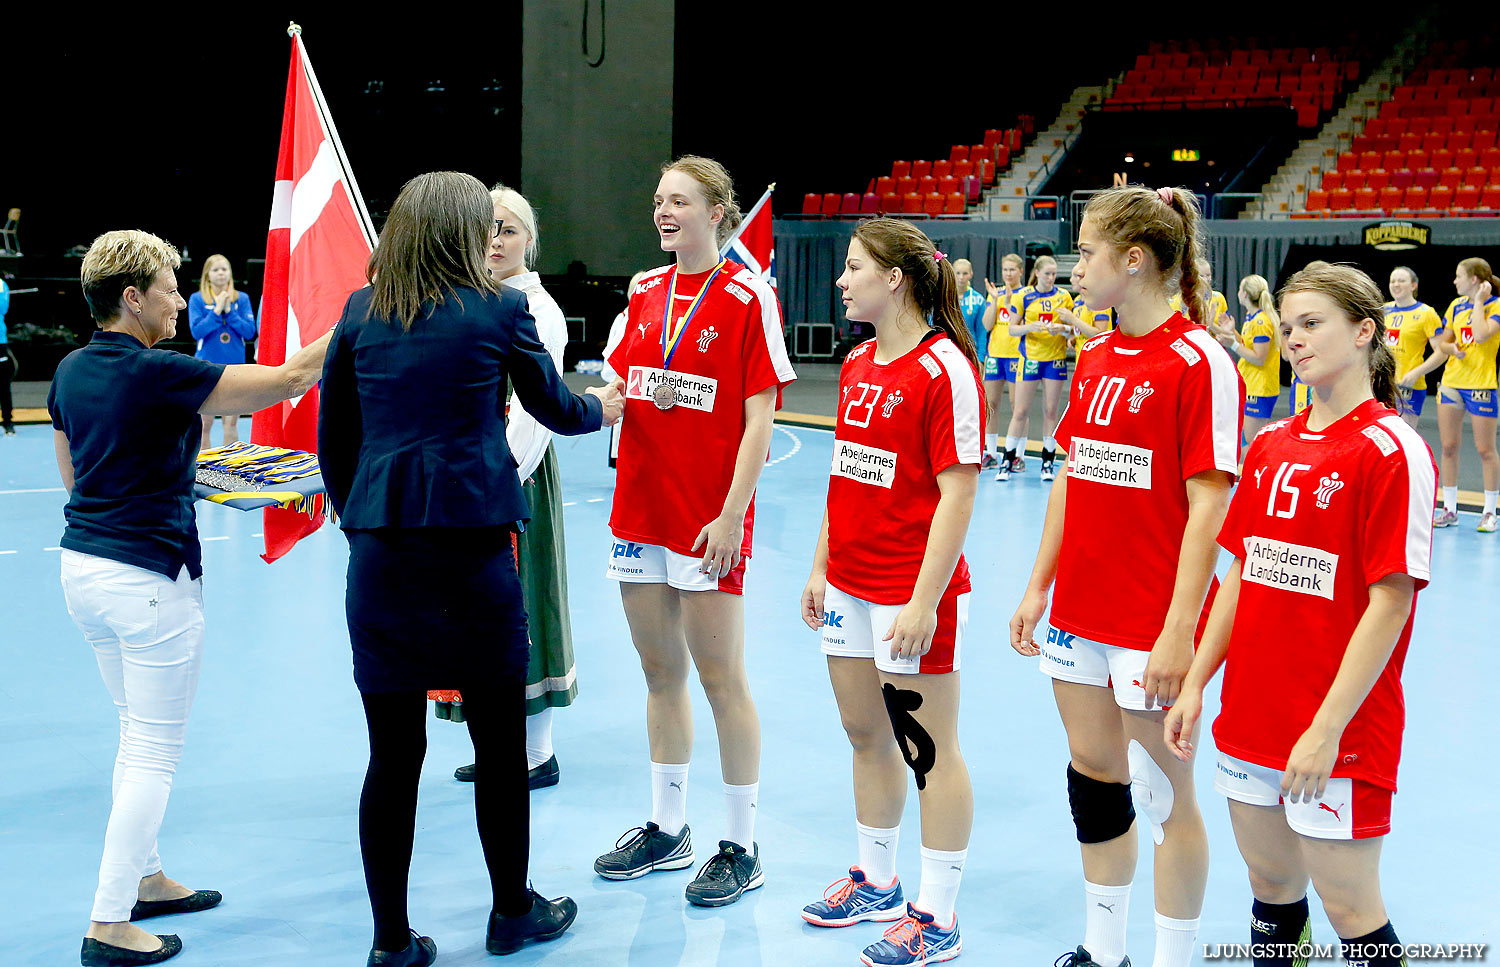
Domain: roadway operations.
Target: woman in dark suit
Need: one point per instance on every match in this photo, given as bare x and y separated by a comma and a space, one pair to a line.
412, 443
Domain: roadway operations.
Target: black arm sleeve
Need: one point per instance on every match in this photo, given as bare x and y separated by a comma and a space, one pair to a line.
340, 430
540, 386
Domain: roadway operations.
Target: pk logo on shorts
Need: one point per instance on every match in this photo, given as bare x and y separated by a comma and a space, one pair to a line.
832, 619
1055, 637
628, 550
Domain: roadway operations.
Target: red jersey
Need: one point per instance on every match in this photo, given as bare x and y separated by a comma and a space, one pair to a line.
900, 424
675, 466
1145, 414
1318, 518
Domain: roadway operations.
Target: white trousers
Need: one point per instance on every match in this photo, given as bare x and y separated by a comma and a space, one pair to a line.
147, 634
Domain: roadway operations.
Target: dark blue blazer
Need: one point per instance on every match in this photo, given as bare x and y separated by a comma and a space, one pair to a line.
411, 427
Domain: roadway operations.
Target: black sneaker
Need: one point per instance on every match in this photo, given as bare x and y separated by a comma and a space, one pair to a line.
1081, 958
726, 876
546, 920
645, 849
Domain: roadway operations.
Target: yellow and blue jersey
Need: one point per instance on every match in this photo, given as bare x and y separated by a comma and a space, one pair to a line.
1217, 306
1038, 308
1477, 369
1407, 330
1265, 379
1002, 344
1301, 396
1103, 320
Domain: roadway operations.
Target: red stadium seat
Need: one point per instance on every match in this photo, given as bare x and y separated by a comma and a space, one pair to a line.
942, 169
926, 184
1426, 178
812, 204
1419, 126
935, 203
1440, 198
963, 169
1403, 179
1390, 198
1451, 177
1432, 141
890, 202
831, 202
1442, 158
1443, 125
1375, 127
884, 185
869, 204
1490, 198
1013, 139
920, 169
978, 153
1466, 197
1460, 141
1466, 157
948, 185
1392, 160
1348, 161
973, 188
1341, 200
900, 169
1396, 126
1317, 201
1364, 199
1410, 141
987, 171
1490, 158
1332, 180
955, 204
850, 204
1483, 141
1415, 197
1002, 157
905, 185
1476, 175
1377, 179
1465, 125
1363, 143
1418, 159
1354, 180
911, 203
957, 153
993, 136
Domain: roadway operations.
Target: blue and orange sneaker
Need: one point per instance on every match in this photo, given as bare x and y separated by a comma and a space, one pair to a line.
916, 939
854, 899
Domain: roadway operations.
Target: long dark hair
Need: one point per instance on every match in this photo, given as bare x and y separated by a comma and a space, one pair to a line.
434, 242
1359, 298
897, 244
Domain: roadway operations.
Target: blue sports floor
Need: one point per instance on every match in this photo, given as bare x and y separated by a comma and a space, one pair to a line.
264, 803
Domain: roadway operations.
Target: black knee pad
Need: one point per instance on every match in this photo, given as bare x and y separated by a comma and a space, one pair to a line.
1102, 811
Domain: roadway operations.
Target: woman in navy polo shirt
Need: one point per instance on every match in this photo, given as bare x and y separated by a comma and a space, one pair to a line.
220, 318
126, 425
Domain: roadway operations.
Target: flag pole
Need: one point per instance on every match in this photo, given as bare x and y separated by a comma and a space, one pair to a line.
351, 186
754, 210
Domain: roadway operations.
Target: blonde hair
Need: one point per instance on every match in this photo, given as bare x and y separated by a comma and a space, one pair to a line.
521, 208
117, 261
1258, 291
434, 242
1011, 258
1042, 262
958, 262
206, 290
718, 189
1358, 297
1172, 231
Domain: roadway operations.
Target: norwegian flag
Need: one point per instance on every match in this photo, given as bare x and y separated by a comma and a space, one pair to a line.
752, 244
319, 241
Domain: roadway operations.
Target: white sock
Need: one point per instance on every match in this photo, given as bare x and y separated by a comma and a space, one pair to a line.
669, 796
740, 803
1450, 498
539, 737
994, 441
941, 873
1108, 909
1049, 442
1015, 444
1490, 496
877, 852
1174, 941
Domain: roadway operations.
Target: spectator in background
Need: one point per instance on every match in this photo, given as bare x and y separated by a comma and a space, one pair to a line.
970, 302
221, 320
7, 364
617, 330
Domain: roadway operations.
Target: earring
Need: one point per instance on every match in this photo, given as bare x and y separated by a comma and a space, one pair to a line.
1132, 270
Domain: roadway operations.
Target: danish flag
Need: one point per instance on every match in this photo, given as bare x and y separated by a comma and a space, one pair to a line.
752, 244
318, 244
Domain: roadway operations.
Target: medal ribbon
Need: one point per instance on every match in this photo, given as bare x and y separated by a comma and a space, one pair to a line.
669, 343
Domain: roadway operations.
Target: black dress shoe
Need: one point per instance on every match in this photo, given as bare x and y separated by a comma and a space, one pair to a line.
546, 920
96, 953
192, 903
545, 774
419, 952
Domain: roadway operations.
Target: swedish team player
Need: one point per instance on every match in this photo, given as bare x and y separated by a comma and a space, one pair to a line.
1044, 359
1255, 347
1329, 529
704, 362
1001, 361
1410, 327
1152, 433
890, 586
1470, 328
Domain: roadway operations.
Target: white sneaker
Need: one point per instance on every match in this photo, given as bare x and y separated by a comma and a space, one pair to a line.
1443, 517
1047, 472
1488, 524
1004, 472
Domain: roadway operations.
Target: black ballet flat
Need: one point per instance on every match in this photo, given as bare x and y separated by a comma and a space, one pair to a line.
419, 952
96, 953
192, 903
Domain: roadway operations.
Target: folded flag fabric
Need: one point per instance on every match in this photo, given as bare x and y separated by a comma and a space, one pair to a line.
249, 476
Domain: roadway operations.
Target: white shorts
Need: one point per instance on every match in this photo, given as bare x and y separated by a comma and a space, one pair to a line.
1073, 658
639, 563
1349, 809
853, 628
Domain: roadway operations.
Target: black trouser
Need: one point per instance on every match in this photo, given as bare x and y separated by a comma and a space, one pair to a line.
7, 371
388, 805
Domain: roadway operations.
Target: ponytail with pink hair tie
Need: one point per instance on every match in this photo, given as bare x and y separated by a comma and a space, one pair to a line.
938, 256
1165, 194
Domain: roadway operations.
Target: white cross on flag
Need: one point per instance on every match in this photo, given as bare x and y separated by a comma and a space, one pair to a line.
319, 242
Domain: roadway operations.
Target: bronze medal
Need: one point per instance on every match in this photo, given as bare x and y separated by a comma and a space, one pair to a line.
664, 396
223, 337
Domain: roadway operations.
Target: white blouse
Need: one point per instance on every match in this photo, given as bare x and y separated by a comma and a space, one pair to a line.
528, 439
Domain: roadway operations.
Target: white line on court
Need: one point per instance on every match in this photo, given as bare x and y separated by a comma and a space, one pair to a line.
796, 445
10, 552
39, 490
595, 500
224, 537
52, 548
570, 503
